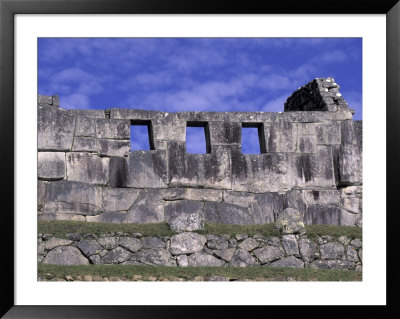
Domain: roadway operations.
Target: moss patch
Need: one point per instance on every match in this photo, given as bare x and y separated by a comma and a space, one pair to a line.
61, 228
130, 272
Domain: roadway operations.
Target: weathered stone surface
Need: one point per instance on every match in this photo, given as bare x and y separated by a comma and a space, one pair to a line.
331, 251
65, 255
307, 144
109, 217
187, 243
268, 253
225, 254
211, 195
350, 204
266, 207
54, 242
295, 199
55, 129
51, 165
108, 242
291, 262
321, 197
129, 243
182, 260
89, 247
216, 242
108, 147
41, 195
332, 264
117, 199
152, 242
249, 244
201, 259
227, 214
66, 197
238, 198
290, 222
328, 133
290, 245
351, 254
156, 256
172, 194
242, 258
116, 256
100, 114
308, 249
356, 243
96, 260
87, 168
148, 208
222, 133
328, 215
85, 127
260, 173
169, 128
84, 144
186, 222
184, 215
109, 128
280, 136
206, 170
59, 216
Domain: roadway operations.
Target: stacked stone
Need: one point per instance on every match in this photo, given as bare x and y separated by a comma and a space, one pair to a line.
321, 94
193, 249
310, 161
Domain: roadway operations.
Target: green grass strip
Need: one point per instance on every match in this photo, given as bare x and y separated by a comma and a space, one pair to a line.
126, 272
61, 228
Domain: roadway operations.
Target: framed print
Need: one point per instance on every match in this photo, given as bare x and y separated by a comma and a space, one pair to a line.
94, 170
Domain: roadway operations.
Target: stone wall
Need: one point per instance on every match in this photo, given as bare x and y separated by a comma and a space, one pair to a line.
193, 249
310, 160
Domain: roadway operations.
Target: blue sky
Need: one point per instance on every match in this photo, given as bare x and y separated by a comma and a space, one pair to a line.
195, 74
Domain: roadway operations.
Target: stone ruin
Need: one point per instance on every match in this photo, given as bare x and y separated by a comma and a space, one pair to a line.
310, 161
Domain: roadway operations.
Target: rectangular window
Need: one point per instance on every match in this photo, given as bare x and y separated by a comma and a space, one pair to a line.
141, 136
197, 138
253, 141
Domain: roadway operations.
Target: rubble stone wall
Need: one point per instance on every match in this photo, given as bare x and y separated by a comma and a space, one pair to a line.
310, 160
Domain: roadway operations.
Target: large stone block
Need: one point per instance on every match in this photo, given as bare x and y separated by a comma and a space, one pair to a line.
260, 173
211, 195
154, 257
108, 147
51, 165
55, 129
66, 197
280, 136
266, 207
116, 129
238, 198
291, 262
328, 215
148, 207
65, 255
118, 199
204, 170
222, 133
85, 127
184, 215
84, 144
110, 217
187, 243
242, 258
41, 195
87, 168
98, 114
328, 133
227, 214
201, 259
268, 253
169, 128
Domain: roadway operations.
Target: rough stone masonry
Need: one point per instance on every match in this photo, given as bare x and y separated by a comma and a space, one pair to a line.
310, 161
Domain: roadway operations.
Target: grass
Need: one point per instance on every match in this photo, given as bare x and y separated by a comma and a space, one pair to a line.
61, 228
126, 272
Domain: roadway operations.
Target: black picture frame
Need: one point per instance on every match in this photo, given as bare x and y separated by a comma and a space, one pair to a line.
8, 8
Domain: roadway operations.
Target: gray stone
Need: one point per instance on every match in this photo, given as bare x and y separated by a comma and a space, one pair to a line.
169, 128
227, 214
87, 168
89, 247
249, 244
54, 242
96, 260
291, 262
184, 215
242, 258
211, 195
225, 254
360, 255
273, 241
332, 251
84, 144
268, 253
131, 244
328, 133
85, 127
201, 259
65, 255
148, 208
172, 194
344, 240
41, 195
289, 243
240, 237
351, 204
116, 129
56, 216
116, 256
107, 147
351, 254
182, 260
223, 133
321, 197
109, 217
66, 197
307, 144
308, 249
280, 136
356, 243
156, 256
73, 236
332, 264
152, 242
187, 243
88, 113
55, 129
290, 222
266, 207
108, 242
328, 215
238, 198
117, 199
51, 165
216, 242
